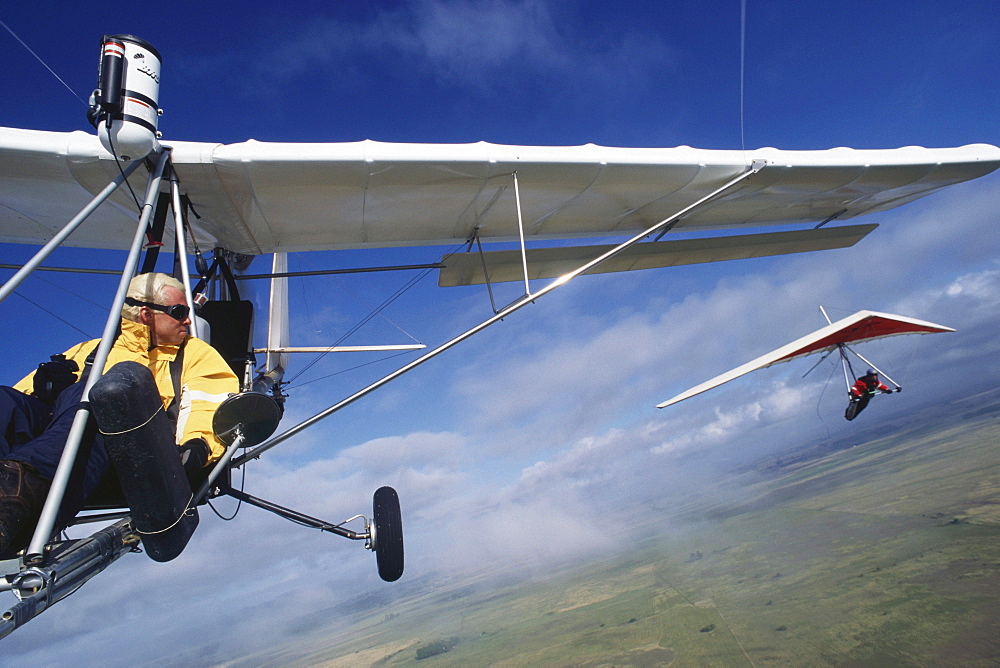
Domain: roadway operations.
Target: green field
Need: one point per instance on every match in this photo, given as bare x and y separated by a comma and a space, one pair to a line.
885, 554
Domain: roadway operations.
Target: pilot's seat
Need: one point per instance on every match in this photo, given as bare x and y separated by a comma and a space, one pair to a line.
230, 333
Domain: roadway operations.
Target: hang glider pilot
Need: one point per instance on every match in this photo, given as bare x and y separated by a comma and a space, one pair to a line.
36, 414
868, 384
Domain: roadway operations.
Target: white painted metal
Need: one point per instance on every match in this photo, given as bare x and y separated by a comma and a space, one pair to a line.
520, 232
175, 203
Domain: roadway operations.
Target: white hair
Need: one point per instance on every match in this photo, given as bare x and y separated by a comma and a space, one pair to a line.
148, 288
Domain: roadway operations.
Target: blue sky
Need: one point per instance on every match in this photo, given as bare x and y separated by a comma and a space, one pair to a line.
547, 419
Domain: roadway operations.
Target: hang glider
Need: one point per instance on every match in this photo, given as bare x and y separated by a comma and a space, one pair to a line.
857, 328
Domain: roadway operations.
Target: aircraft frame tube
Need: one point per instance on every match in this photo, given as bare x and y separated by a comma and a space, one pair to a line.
175, 201
47, 520
875, 368
843, 363
275, 363
219, 466
516, 305
520, 231
68, 229
295, 516
72, 568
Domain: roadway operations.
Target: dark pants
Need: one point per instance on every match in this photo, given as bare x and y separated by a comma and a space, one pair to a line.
30, 436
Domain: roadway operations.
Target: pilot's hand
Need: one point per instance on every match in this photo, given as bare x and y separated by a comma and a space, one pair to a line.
53, 377
886, 391
194, 455
899, 389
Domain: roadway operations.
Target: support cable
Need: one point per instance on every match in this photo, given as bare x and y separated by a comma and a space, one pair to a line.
528, 299
378, 309
39, 59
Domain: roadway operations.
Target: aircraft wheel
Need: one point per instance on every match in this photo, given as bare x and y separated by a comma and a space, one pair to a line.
387, 527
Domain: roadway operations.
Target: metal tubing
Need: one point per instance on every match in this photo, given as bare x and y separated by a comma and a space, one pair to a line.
47, 521
296, 516
70, 570
331, 272
175, 201
486, 273
275, 362
527, 299
70, 227
520, 231
843, 363
68, 270
875, 368
219, 466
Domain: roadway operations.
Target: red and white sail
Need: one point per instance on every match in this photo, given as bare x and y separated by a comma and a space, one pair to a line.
861, 326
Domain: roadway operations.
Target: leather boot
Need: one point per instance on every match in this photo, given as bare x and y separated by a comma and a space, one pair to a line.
22, 494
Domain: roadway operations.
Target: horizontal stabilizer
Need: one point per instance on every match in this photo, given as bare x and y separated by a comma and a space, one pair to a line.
506, 265
861, 326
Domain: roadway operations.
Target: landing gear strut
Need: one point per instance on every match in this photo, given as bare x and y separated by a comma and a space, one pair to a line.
383, 535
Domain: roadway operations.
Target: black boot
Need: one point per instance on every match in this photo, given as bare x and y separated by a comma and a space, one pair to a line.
22, 494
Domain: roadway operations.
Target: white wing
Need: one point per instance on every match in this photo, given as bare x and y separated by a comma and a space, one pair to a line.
257, 197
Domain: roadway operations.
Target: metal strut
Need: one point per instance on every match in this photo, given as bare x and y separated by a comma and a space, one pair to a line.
254, 453
46, 522
296, 516
71, 565
874, 368
57, 240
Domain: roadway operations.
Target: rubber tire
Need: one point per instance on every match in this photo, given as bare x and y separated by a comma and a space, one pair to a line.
388, 534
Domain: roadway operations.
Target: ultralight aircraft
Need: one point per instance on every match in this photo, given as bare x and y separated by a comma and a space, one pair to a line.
255, 198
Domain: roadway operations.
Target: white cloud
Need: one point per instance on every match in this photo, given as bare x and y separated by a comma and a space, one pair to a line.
485, 45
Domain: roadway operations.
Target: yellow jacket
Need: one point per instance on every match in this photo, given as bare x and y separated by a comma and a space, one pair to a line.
206, 379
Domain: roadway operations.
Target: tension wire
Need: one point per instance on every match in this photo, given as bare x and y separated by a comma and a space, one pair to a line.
37, 57
743, 38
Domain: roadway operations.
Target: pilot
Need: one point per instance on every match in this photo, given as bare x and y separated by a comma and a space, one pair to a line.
37, 413
868, 384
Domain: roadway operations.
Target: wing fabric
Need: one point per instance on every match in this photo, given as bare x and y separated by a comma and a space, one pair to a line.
861, 326
256, 197
467, 268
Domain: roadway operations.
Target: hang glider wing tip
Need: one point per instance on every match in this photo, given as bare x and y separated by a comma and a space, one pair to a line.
671, 402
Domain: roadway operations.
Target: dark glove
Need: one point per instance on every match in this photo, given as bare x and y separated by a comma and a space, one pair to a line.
886, 391
53, 377
194, 455
899, 389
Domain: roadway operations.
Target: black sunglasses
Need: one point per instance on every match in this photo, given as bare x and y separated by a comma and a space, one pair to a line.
178, 312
